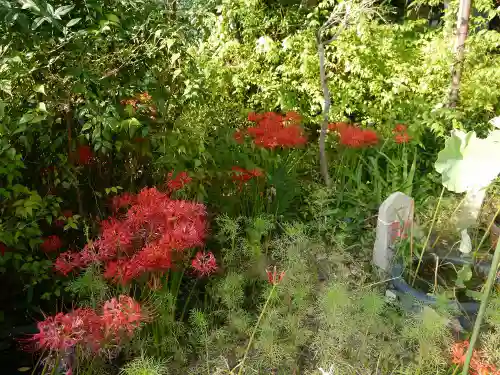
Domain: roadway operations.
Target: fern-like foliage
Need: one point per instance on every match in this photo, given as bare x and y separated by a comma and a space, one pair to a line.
145, 366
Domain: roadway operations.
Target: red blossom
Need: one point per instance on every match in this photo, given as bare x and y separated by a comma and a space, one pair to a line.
273, 130
293, 117
122, 316
51, 244
273, 277
239, 136
252, 116
399, 128
478, 366
3, 248
122, 200
85, 155
154, 229
67, 262
356, 137
177, 182
204, 263
402, 138
338, 126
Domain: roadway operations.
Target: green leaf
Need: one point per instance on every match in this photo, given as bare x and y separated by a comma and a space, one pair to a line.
29, 4
73, 22
42, 107
3, 105
113, 18
175, 57
61, 11
23, 369
468, 162
6, 86
38, 21
464, 275
27, 117
40, 89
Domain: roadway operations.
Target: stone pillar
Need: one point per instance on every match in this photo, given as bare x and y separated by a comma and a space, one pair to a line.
395, 210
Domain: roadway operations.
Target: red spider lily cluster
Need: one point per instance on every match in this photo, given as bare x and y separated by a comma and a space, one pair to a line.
120, 318
273, 277
273, 130
401, 134
51, 244
204, 263
353, 136
84, 155
177, 182
241, 175
142, 102
155, 230
477, 364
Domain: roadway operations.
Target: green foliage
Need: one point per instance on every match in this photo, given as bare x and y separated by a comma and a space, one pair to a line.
152, 87
145, 366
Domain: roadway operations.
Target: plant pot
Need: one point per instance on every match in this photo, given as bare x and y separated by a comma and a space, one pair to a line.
468, 310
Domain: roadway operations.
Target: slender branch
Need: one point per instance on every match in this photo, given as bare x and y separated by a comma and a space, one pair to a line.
457, 67
343, 15
326, 109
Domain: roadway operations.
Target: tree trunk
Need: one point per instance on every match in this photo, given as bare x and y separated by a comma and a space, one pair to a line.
326, 109
456, 71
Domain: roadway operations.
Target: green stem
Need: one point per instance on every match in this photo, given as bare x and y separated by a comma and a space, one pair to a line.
257, 326
206, 351
428, 236
188, 299
484, 304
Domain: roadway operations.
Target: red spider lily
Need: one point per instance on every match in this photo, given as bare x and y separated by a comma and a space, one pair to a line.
85, 155
293, 117
239, 136
67, 262
241, 175
400, 128
154, 229
338, 126
51, 244
273, 130
3, 248
204, 263
252, 116
356, 137
60, 332
122, 200
122, 316
402, 138
477, 364
177, 182
273, 277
